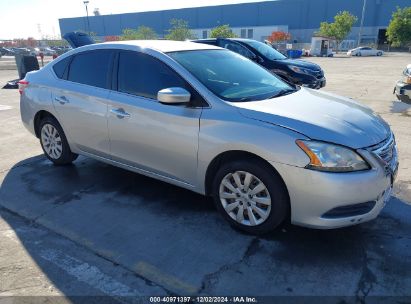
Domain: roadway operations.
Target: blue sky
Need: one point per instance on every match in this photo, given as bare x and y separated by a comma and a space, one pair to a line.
36, 18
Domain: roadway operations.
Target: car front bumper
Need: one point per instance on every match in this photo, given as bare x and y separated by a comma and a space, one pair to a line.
328, 200
310, 81
316, 84
403, 91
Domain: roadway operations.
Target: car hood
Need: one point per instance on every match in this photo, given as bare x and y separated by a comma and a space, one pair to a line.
301, 64
321, 116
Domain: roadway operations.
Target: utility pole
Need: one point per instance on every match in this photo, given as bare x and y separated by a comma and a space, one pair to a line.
88, 21
39, 30
362, 22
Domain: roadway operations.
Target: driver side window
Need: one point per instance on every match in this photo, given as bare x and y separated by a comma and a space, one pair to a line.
143, 75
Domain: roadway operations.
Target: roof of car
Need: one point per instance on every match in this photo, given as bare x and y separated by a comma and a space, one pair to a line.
162, 46
165, 45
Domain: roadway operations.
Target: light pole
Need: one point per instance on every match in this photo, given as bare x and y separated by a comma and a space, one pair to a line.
88, 21
362, 22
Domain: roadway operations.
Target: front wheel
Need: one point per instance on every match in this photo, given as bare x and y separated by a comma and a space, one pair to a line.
54, 142
250, 196
379, 54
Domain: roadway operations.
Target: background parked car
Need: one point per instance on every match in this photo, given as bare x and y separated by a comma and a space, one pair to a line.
295, 71
61, 49
2, 51
22, 51
48, 51
35, 51
364, 51
403, 87
7, 51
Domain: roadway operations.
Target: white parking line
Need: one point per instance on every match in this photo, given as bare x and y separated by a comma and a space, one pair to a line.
3, 108
88, 274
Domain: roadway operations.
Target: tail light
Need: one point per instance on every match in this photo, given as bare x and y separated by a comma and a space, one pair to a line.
22, 85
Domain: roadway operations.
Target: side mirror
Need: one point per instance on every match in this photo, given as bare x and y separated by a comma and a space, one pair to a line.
173, 95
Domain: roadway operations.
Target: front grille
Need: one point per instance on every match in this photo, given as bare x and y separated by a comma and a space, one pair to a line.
350, 210
387, 151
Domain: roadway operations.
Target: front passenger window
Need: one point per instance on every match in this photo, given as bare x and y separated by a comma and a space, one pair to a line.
142, 75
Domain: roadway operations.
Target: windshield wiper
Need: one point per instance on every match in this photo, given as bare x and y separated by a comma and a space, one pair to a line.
283, 93
278, 94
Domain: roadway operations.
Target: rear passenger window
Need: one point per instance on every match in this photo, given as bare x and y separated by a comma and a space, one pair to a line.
60, 67
91, 68
142, 75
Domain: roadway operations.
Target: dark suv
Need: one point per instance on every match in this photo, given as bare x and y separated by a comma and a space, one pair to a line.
299, 72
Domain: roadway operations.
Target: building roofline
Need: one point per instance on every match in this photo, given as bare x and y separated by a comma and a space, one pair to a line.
176, 9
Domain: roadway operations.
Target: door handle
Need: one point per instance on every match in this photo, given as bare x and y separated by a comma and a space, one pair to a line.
120, 113
62, 99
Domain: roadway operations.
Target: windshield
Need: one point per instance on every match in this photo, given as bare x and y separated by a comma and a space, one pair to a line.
230, 76
265, 50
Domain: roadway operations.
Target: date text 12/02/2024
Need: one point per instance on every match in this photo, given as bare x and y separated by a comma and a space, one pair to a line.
203, 299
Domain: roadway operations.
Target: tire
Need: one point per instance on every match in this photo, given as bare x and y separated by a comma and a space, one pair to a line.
379, 54
404, 99
54, 142
272, 201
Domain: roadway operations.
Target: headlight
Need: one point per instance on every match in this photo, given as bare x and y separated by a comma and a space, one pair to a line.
332, 158
296, 69
301, 70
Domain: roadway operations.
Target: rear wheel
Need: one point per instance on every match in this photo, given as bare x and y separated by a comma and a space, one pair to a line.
250, 196
54, 142
379, 54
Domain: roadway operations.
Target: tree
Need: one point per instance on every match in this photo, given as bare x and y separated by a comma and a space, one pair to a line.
111, 38
95, 38
399, 29
141, 33
31, 42
340, 28
222, 31
58, 43
179, 30
279, 36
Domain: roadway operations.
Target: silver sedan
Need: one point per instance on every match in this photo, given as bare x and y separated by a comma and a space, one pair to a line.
365, 51
214, 122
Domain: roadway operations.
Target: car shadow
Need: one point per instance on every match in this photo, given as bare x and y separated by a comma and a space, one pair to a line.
134, 221
401, 107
